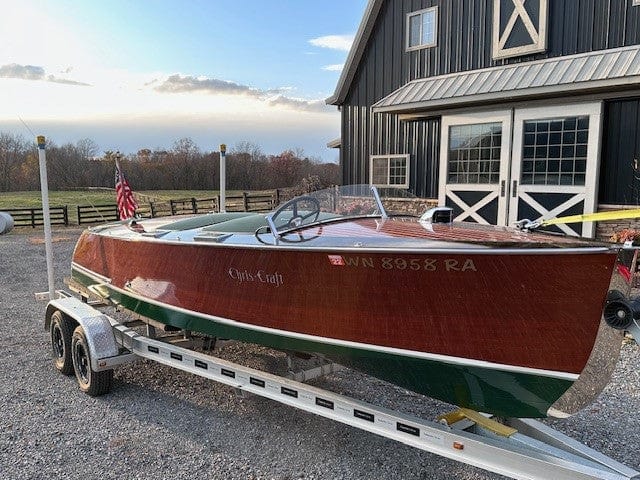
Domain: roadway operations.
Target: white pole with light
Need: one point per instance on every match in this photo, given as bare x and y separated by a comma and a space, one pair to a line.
44, 189
223, 178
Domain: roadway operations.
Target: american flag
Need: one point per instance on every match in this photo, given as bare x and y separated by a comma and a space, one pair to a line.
126, 203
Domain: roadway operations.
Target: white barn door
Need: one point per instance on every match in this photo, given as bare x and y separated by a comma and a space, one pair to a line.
550, 170
474, 166
555, 164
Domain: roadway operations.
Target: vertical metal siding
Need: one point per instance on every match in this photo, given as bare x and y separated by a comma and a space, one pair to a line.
464, 43
621, 146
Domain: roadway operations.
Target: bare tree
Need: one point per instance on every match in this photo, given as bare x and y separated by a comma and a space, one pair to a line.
13, 150
182, 167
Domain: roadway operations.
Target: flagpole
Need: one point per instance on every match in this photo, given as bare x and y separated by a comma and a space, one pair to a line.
118, 179
117, 155
44, 189
223, 178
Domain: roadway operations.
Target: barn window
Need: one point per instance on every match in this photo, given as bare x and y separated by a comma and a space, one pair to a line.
422, 28
555, 151
474, 153
389, 170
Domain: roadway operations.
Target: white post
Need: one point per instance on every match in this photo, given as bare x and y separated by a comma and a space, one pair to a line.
223, 178
44, 189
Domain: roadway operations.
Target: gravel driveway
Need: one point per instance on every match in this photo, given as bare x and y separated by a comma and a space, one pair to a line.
162, 423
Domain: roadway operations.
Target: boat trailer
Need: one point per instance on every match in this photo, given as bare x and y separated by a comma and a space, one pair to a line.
90, 343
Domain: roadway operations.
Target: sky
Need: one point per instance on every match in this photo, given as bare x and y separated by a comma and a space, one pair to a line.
143, 74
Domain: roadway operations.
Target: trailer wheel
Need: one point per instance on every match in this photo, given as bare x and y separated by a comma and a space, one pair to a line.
61, 331
91, 382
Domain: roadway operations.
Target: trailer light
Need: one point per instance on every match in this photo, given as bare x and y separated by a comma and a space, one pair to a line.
458, 445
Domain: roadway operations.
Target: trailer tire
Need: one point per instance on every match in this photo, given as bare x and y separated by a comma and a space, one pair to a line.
61, 331
90, 382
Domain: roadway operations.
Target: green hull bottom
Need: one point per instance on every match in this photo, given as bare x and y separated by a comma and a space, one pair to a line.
500, 392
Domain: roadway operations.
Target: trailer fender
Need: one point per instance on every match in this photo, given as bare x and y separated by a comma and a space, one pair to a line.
97, 328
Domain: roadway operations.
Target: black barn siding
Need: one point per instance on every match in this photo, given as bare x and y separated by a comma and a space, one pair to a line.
464, 42
620, 164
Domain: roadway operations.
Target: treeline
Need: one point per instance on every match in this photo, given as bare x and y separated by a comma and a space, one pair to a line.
183, 167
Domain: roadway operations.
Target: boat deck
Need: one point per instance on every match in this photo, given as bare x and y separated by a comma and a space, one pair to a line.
374, 232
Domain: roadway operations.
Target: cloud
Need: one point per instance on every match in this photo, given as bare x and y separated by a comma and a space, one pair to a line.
334, 42
64, 81
301, 105
337, 67
184, 84
23, 72
32, 72
212, 86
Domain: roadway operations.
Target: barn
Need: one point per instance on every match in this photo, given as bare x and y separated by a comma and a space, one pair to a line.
500, 109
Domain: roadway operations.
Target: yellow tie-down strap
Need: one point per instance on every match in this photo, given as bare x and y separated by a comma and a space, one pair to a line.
485, 422
595, 217
100, 290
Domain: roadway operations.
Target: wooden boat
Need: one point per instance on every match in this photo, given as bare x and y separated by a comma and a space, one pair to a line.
490, 318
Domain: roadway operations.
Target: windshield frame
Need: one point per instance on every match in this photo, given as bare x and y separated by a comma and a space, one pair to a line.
364, 200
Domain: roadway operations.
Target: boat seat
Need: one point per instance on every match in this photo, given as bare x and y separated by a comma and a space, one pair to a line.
199, 221
248, 223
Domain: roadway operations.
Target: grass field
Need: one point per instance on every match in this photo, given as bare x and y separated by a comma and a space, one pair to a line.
90, 197
74, 198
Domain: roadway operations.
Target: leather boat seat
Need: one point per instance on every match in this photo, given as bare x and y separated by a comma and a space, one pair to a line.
210, 219
248, 223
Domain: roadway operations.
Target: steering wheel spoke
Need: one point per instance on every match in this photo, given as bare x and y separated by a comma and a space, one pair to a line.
304, 210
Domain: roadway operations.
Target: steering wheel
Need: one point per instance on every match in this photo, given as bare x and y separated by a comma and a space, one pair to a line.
298, 218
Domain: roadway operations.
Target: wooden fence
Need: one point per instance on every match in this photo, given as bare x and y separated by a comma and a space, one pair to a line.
33, 217
244, 202
97, 213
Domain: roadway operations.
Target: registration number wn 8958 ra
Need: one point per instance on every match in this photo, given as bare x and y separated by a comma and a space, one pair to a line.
400, 263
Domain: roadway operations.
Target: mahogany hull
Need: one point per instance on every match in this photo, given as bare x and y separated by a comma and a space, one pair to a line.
505, 332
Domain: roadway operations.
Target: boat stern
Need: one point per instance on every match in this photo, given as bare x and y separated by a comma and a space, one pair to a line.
621, 313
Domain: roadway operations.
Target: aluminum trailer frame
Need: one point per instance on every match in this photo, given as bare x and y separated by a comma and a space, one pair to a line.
518, 448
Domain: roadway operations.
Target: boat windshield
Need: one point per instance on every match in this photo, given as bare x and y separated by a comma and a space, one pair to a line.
334, 203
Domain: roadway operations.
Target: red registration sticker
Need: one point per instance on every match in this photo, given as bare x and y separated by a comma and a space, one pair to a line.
336, 260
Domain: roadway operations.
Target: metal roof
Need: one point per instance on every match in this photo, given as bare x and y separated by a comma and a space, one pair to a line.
586, 72
335, 143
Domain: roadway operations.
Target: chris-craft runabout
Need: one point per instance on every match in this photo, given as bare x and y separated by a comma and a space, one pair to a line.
490, 318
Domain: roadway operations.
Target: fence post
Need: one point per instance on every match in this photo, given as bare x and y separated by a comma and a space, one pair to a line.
172, 207
65, 214
218, 203
245, 203
277, 198
33, 218
194, 205
152, 209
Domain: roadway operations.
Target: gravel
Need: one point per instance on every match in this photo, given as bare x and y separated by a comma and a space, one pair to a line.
162, 423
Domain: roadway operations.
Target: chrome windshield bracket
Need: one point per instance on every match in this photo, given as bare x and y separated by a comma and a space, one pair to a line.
272, 226
376, 195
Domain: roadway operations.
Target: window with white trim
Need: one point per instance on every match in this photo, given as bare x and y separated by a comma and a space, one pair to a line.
422, 28
389, 171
